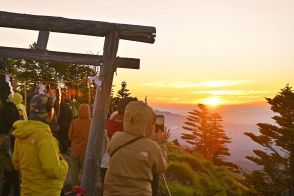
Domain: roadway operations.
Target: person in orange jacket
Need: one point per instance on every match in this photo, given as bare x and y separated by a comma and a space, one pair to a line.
78, 136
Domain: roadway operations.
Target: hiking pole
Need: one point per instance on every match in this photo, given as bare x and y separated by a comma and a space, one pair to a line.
166, 185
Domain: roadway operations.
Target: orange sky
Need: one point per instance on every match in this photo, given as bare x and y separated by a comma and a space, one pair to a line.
235, 51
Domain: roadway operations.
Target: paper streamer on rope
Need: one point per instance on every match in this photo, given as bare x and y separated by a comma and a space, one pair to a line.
59, 86
41, 89
7, 80
96, 80
5, 86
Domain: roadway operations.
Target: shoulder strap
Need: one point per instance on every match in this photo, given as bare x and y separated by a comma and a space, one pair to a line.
129, 142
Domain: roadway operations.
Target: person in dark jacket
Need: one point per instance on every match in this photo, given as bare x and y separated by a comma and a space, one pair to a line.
8, 115
65, 117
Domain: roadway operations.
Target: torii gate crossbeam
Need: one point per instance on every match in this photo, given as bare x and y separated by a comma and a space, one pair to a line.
112, 32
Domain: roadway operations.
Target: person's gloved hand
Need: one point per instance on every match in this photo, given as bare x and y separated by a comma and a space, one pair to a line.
161, 136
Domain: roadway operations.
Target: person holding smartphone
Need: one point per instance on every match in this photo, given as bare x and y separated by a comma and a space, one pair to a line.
134, 155
159, 128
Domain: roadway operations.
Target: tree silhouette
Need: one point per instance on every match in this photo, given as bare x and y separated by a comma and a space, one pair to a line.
122, 93
219, 140
206, 134
276, 176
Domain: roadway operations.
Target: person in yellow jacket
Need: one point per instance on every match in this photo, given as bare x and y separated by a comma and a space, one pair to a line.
36, 154
134, 156
78, 135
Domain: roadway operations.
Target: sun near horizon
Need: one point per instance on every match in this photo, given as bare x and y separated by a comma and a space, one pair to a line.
212, 101
238, 51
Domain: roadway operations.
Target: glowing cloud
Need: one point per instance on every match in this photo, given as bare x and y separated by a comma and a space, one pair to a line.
234, 92
210, 84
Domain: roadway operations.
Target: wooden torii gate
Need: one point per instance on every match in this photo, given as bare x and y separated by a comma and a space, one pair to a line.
112, 32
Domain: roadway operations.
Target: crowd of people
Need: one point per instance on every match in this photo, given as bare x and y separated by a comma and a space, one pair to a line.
36, 141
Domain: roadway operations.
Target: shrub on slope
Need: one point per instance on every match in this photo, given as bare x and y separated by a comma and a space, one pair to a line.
191, 174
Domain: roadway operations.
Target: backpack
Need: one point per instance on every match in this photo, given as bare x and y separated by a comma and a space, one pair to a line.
5, 153
114, 125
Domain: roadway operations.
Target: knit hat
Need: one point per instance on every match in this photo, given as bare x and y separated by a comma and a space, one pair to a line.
40, 106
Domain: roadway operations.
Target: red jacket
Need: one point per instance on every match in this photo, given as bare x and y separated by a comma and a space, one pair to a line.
114, 125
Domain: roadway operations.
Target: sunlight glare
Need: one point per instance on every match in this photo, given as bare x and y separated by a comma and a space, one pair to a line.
212, 101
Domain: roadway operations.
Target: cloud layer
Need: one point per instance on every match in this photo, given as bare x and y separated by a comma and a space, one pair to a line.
209, 84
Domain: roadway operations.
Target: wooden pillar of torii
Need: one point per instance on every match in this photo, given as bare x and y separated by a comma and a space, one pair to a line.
112, 32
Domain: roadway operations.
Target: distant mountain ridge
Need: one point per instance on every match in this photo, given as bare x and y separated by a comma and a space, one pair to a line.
240, 147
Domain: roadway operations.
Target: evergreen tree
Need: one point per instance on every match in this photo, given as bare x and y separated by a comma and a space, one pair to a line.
112, 102
206, 134
276, 176
198, 125
122, 93
219, 140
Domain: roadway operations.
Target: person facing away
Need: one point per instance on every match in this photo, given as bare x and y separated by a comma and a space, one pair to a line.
8, 115
36, 154
65, 117
78, 136
134, 157
113, 125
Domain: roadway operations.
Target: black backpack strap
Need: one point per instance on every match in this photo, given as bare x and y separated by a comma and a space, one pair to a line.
129, 142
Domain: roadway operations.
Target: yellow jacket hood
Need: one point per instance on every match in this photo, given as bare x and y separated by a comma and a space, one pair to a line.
138, 119
23, 129
16, 98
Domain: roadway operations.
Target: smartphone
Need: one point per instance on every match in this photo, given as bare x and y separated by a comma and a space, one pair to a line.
159, 123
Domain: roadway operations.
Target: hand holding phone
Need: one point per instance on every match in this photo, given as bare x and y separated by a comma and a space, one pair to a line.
161, 136
159, 123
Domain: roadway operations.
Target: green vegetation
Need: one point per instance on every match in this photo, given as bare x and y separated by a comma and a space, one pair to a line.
191, 174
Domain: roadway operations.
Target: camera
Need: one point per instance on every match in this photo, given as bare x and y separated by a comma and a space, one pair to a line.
159, 123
